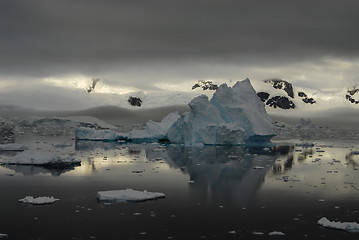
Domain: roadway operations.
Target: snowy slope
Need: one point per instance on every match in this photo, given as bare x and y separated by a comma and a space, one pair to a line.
324, 100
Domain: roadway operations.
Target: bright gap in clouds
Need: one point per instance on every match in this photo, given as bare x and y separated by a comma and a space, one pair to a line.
83, 82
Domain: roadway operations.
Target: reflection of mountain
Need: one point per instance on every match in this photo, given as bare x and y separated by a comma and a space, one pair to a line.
29, 170
224, 173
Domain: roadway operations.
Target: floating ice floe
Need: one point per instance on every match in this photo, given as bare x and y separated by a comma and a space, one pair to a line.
40, 158
346, 226
12, 147
2, 235
38, 200
128, 195
276, 233
233, 116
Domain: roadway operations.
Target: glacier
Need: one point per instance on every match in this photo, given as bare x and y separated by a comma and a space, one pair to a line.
233, 116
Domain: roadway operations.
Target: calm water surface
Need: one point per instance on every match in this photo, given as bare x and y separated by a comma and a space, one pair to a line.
211, 193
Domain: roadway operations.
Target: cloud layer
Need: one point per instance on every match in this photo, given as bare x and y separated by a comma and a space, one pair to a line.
142, 44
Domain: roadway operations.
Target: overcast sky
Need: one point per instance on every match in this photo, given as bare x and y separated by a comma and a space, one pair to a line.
151, 44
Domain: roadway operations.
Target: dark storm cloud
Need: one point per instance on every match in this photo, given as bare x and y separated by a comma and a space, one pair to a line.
42, 38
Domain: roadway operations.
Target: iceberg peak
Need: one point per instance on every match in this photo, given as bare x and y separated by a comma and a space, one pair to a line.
235, 115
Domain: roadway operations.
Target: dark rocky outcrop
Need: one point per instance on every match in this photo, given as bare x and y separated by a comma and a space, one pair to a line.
281, 102
305, 98
92, 85
282, 84
263, 96
134, 101
205, 85
350, 93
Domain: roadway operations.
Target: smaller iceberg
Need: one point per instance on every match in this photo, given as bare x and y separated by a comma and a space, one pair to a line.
128, 195
154, 131
38, 200
40, 158
346, 226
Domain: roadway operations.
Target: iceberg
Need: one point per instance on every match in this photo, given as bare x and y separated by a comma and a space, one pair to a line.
154, 131
128, 195
38, 200
233, 116
346, 226
40, 158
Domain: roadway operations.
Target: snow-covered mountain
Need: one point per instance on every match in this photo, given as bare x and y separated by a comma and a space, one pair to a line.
282, 95
278, 95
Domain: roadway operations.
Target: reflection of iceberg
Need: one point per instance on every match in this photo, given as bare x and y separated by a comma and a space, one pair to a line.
41, 158
223, 172
92, 145
29, 170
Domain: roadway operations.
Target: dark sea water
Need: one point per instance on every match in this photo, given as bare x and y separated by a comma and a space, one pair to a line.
211, 193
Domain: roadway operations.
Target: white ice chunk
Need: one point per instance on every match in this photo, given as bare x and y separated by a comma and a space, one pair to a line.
276, 233
347, 226
12, 147
2, 235
233, 116
38, 200
128, 195
39, 158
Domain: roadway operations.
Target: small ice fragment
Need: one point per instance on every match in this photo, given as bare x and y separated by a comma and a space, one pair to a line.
2, 235
39, 200
191, 181
128, 195
258, 167
276, 233
257, 233
347, 226
321, 200
232, 232
137, 214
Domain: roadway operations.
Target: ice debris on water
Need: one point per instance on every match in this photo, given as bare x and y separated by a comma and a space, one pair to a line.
2, 235
346, 226
38, 200
276, 233
40, 158
128, 195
